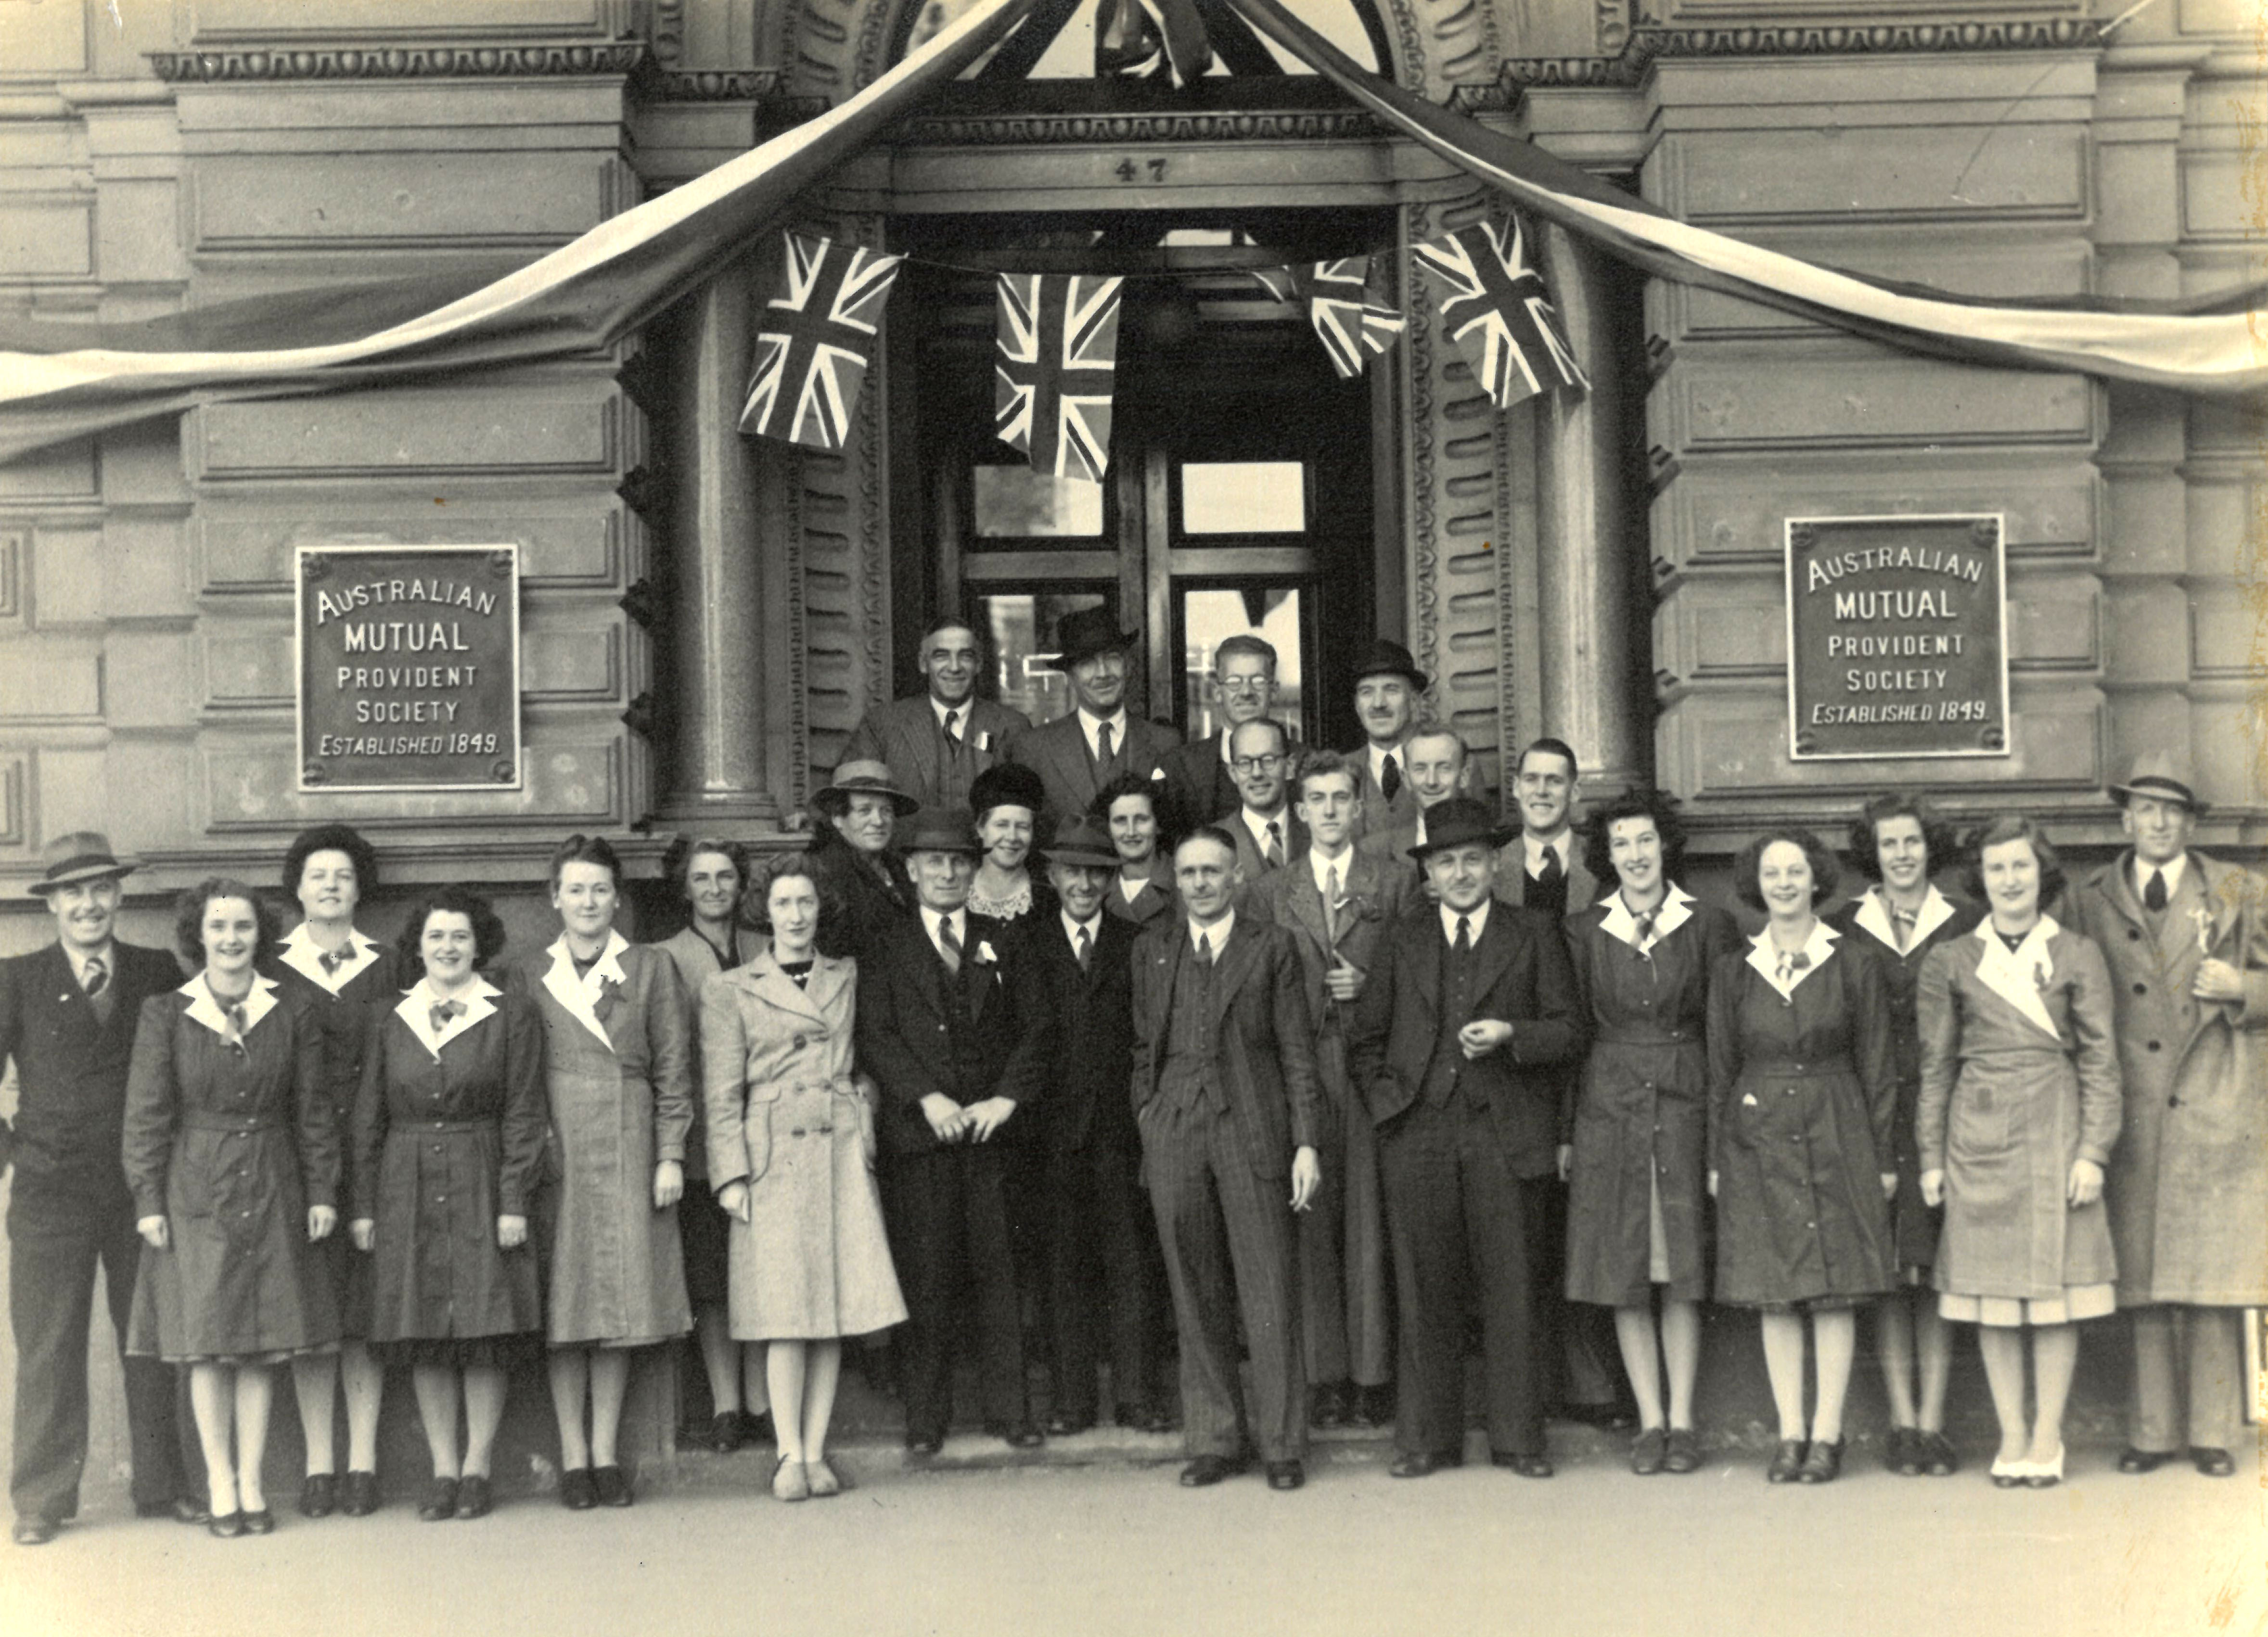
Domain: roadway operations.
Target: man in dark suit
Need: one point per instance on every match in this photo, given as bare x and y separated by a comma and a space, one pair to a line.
936, 743
1127, 808
1200, 786
1095, 1222
1543, 868
1268, 833
941, 1029
1227, 1104
1458, 1039
67, 1016
1388, 685
1435, 765
1076, 755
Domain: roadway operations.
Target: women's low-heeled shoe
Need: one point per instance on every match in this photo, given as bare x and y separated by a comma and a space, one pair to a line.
1786, 1461
1939, 1458
823, 1478
319, 1496
611, 1485
225, 1525
1681, 1453
2046, 1474
2009, 1474
359, 1498
1648, 1451
475, 1496
576, 1492
440, 1500
259, 1523
789, 1480
1822, 1463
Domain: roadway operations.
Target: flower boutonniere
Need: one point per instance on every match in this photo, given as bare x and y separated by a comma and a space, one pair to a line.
1358, 906
984, 740
610, 995
984, 955
2203, 917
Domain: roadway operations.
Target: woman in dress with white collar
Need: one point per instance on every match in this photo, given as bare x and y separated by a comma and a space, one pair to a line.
233, 1159
2019, 1109
1897, 842
1636, 1151
341, 975
448, 1151
618, 1068
1802, 1095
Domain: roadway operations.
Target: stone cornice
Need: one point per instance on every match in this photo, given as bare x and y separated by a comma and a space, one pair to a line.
1158, 125
1648, 45
529, 61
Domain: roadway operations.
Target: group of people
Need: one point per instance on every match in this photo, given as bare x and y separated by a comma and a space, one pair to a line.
1054, 1028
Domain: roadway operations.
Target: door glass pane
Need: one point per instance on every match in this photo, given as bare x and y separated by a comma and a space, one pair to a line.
1015, 502
1020, 627
1243, 497
1210, 618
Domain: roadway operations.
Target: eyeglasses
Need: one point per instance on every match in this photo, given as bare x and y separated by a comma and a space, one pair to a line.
1258, 763
1246, 684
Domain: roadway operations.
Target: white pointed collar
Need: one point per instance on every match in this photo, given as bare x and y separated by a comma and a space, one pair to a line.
415, 1009
1765, 959
580, 994
1676, 909
305, 956
2021, 975
207, 1010
1874, 915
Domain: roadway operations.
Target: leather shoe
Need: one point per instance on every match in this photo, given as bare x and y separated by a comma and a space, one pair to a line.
1822, 1463
1060, 1425
1144, 1418
611, 1485
1648, 1451
221, 1525
1208, 1470
1682, 1451
2214, 1462
35, 1531
2133, 1460
1286, 1475
1022, 1435
925, 1443
259, 1523
726, 1433
1329, 1404
1375, 1405
475, 1496
757, 1428
1902, 1452
319, 1496
576, 1492
1526, 1465
440, 1500
1786, 1461
360, 1498
180, 1508
1424, 1464
1937, 1454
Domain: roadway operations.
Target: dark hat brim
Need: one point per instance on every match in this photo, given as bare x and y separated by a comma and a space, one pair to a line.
835, 801
1126, 641
75, 874
2160, 789
1490, 838
1082, 856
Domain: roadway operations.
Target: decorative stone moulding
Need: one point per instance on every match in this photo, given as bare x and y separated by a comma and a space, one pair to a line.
1646, 44
1164, 125
510, 62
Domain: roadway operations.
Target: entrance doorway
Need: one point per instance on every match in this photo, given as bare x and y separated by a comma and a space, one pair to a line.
1239, 496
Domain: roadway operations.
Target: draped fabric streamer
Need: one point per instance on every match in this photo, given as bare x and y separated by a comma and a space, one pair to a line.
1496, 310
1352, 325
2214, 345
813, 341
1130, 36
60, 381
1056, 364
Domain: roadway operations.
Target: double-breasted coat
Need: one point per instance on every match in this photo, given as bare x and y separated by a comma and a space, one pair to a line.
1637, 1116
231, 1142
788, 1116
1914, 1227
2188, 1187
449, 1136
616, 1069
1802, 1095
2018, 1078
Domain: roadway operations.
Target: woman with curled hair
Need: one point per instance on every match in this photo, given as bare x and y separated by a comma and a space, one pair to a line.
343, 975
712, 877
233, 1155
791, 1156
617, 1069
1898, 843
448, 1151
1802, 1096
1635, 1141
2019, 1110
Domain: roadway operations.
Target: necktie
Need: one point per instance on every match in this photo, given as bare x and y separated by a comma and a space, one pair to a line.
440, 1014
1389, 777
2154, 895
1464, 943
949, 942
953, 730
1205, 948
1644, 923
96, 978
1274, 844
1790, 964
331, 960
234, 1036
1903, 922
1103, 750
1086, 949
1549, 872
1331, 903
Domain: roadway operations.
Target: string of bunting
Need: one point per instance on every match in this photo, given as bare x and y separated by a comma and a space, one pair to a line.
1055, 356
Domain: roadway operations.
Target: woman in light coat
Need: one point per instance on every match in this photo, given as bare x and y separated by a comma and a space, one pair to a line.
2019, 1110
791, 1156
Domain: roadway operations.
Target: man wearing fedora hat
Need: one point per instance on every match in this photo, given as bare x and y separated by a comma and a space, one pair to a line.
2186, 939
935, 742
1388, 685
1097, 1242
1076, 755
957, 1053
67, 1017
1458, 1036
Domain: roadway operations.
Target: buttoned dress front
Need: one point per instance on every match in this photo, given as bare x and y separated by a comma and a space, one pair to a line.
788, 1116
1802, 1095
1638, 1182
231, 1142
617, 1070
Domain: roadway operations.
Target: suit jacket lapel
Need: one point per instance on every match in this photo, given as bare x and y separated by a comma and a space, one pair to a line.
1307, 899
1232, 965
1493, 954
78, 1011
1422, 936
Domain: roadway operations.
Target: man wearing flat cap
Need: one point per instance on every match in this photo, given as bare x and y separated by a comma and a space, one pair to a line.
940, 739
2186, 939
1076, 755
1388, 685
66, 1015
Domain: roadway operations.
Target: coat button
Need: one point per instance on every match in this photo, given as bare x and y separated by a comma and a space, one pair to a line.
2174, 1102
2150, 1046
2141, 989
797, 1043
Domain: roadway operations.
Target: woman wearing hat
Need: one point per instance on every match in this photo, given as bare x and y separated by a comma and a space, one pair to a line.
791, 1152
865, 880
1802, 1095
1008, 800
233, 1158
341, 975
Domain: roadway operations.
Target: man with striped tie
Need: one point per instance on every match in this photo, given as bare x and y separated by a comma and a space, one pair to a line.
937, 743
67, 1016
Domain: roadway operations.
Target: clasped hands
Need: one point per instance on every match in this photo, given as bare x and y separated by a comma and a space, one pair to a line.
950, 1122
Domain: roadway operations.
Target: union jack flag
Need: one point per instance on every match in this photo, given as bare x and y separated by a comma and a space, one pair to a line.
812, 341
1353, 327
1499, 312
1058, 358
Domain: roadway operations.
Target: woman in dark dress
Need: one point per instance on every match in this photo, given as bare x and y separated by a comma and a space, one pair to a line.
863, 880
233, 1159
1636, 1160
1007, 800
341, 975
448, 1150
1802, 1095
1897, 842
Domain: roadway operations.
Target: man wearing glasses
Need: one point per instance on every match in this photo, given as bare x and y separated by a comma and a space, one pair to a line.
1201, 786
1268, 835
